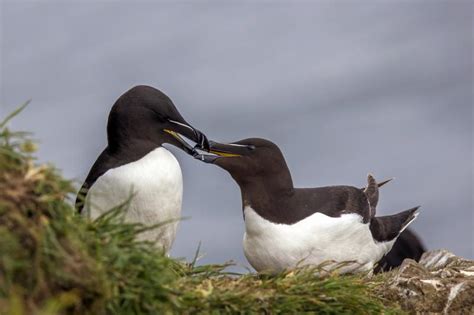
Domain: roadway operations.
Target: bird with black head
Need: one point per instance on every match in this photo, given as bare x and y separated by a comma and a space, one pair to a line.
136, 166
287, 227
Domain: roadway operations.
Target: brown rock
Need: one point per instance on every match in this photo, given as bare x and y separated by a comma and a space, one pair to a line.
440, 283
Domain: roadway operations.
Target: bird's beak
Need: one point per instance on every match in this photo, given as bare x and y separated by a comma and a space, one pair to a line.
177, 129
223, 150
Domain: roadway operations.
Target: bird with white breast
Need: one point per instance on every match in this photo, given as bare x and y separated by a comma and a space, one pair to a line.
286, 227
136, 167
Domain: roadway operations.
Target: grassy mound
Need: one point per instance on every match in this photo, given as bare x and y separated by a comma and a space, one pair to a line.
53, 261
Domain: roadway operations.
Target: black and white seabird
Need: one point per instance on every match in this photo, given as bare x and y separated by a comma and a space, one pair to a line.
135, 162
287, 226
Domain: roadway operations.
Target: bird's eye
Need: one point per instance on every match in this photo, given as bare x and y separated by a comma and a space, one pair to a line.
251, 147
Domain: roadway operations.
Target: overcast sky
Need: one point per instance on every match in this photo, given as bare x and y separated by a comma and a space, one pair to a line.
343, 88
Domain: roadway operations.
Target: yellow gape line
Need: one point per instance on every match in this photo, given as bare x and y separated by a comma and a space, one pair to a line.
174, 134
224, 154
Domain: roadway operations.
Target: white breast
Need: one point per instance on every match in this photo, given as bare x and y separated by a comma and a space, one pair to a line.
316, 239
157, 184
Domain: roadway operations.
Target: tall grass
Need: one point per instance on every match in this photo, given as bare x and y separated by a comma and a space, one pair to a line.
53, 261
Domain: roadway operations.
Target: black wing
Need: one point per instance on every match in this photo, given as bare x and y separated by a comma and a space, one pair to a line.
389, 227
332, 201
103, 163
108, 160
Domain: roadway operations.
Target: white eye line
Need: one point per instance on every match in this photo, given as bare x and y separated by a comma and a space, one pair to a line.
238, 145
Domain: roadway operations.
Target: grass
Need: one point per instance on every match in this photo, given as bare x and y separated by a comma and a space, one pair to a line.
53, 261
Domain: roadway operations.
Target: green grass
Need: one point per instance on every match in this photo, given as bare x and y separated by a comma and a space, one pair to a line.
53, 261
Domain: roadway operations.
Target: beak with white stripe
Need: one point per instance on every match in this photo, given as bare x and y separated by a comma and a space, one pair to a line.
175, 129
224, 150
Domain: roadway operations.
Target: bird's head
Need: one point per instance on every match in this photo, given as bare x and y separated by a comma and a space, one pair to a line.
249, 160
146, 114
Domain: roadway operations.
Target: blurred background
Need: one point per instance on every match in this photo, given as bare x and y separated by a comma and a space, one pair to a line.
344, 88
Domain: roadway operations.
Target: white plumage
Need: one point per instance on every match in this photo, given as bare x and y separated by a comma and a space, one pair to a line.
157, 184
316, 239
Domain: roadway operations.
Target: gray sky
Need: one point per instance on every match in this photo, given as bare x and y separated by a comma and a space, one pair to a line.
343, 88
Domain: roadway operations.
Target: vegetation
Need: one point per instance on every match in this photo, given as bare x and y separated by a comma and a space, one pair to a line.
53, 261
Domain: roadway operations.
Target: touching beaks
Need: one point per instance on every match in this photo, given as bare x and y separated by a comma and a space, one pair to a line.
223, 150
178, 129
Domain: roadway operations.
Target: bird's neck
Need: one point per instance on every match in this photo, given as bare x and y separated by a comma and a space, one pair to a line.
128, 134
131, 149
267, 196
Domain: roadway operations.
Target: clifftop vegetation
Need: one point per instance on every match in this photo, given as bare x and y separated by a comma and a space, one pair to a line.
53, 261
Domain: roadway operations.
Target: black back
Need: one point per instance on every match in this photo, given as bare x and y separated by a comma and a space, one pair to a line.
260, 170
266, 185
296, 204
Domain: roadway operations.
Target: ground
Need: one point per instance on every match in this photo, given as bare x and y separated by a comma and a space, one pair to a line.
53, 261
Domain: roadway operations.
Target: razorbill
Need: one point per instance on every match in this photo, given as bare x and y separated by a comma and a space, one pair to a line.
136, 166
287, 227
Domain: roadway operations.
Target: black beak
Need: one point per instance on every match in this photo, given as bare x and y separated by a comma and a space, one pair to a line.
178, 128
227, 149
223, 150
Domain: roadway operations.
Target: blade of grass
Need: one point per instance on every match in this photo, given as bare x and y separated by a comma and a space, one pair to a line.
13, 114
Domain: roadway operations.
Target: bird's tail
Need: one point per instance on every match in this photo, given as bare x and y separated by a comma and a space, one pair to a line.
388, 228
381, 183
372, 193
